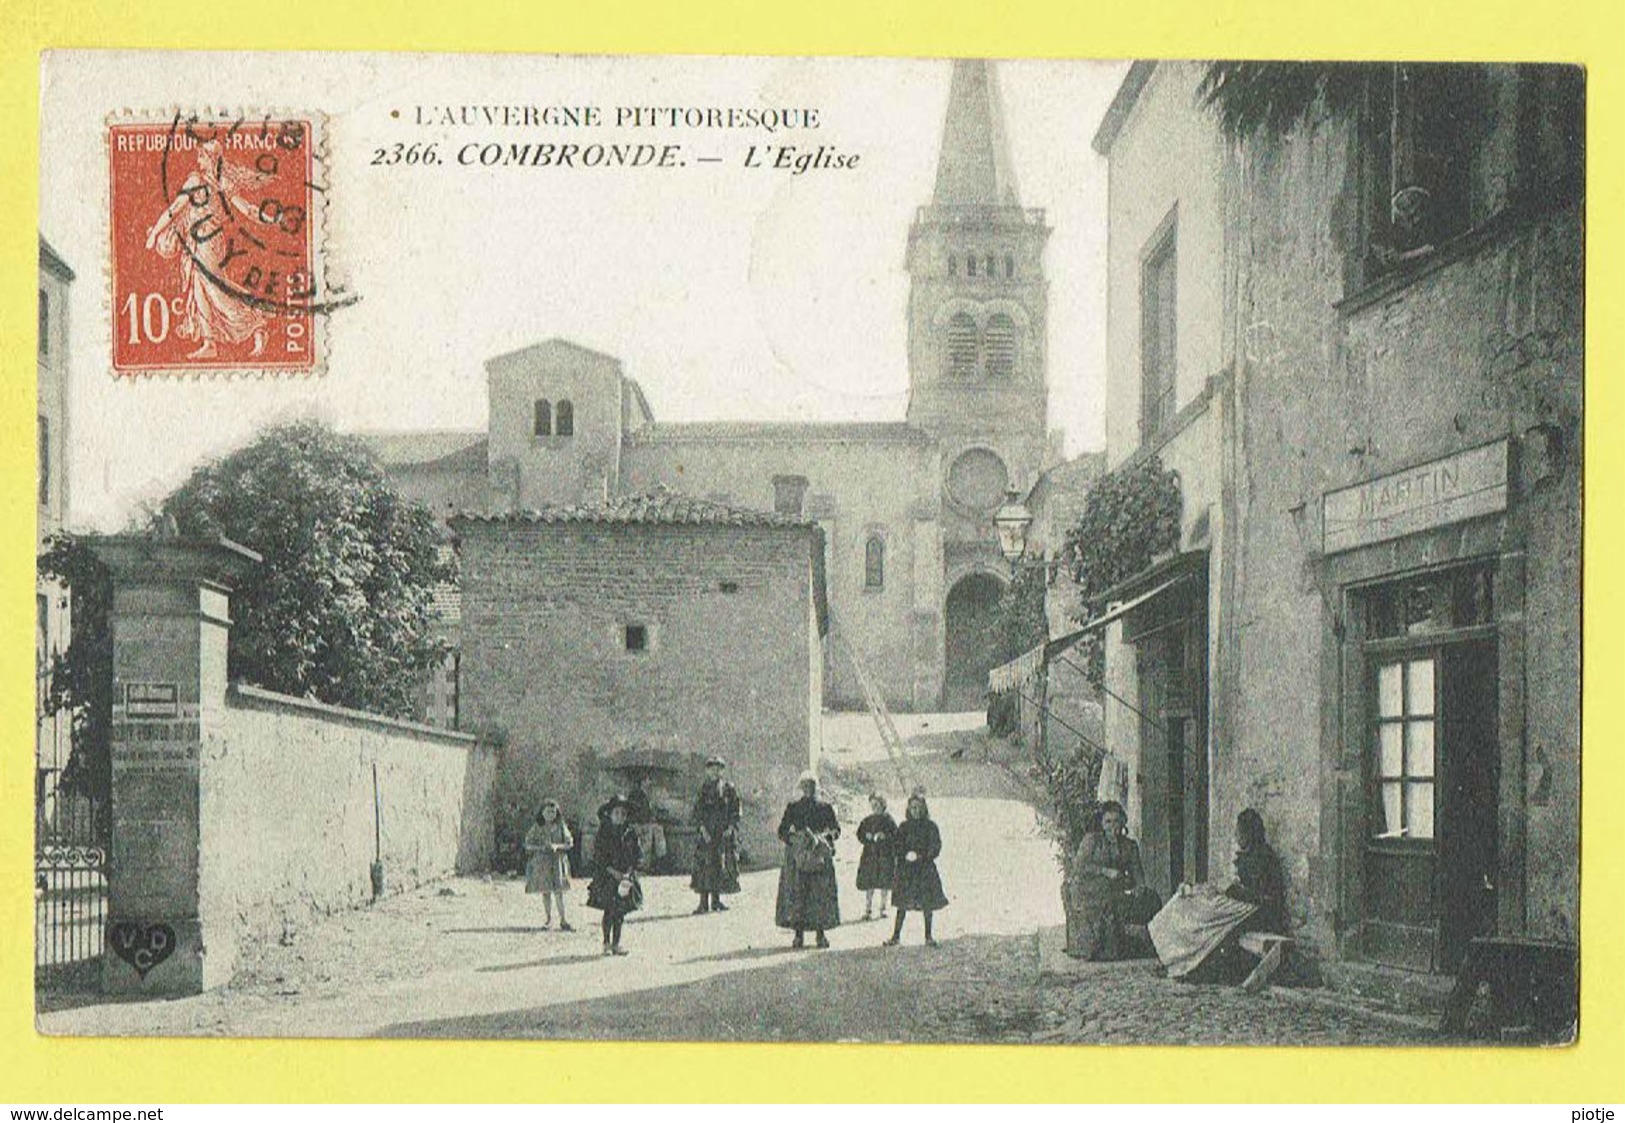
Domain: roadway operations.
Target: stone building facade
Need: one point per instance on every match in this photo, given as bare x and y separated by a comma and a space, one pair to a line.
905, 506
637, 637
1375, 318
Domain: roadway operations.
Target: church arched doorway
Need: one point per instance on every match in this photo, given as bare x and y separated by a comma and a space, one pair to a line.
972, 648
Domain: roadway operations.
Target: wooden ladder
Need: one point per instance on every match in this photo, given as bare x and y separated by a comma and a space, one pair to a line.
882, 716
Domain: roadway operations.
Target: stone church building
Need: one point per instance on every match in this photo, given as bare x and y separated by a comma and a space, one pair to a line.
913, 568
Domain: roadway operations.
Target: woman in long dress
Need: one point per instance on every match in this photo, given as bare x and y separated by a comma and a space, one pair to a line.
1107, 888
808, 895
716, 848
1197, 933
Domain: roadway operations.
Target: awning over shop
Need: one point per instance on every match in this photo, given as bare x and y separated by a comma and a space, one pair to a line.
1123, 608
1018, 672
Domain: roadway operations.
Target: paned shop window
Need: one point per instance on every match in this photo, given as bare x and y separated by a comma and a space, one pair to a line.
874, 562
544, 418
1436, 602
1403, 746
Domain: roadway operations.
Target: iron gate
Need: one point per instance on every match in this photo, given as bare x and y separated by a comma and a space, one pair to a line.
70, 904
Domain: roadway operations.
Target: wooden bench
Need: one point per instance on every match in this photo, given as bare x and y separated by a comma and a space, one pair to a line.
1271, 950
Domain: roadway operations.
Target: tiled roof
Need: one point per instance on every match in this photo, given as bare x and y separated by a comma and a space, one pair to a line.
424, 446
781, 431
661, 507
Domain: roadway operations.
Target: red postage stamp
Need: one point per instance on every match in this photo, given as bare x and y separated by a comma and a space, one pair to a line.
215, 226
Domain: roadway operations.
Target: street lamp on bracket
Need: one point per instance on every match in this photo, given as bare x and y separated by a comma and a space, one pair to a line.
1012, 521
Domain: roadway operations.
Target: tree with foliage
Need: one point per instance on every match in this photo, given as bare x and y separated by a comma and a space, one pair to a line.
79, 679
1272, 98
340, 609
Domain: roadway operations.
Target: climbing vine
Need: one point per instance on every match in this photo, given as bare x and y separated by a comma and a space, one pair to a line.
1130, 517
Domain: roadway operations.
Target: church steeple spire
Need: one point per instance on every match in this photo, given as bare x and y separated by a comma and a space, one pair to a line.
974, 167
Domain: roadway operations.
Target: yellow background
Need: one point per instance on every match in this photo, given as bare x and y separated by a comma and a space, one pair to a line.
34, 1068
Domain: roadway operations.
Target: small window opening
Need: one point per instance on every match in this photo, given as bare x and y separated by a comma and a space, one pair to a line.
874, 562
564, 420
637, 637
953, 265
544, 418
1009, 265
729, 587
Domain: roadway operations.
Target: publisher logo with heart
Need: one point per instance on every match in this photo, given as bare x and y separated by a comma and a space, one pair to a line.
142, 946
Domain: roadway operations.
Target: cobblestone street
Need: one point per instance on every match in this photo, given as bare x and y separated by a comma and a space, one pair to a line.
469, 958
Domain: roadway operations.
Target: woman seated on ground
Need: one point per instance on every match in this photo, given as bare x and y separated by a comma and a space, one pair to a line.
1197, 934
1107, 888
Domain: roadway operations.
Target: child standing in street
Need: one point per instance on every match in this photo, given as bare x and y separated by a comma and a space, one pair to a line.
877, 868
918, 885
547, 870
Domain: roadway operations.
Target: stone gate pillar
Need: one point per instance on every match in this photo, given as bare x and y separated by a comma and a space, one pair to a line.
170, 624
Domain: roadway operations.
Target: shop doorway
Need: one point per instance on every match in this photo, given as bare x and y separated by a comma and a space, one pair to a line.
1431, 852
1170, 662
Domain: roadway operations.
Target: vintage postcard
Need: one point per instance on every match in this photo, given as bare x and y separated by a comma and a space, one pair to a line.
809, 549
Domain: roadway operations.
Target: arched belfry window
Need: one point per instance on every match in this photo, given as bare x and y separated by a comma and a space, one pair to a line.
999, 346
544, 418
874, 562
970, 265
962, 345
564, 421
989, 266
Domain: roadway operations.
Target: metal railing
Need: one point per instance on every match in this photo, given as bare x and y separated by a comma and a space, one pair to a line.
70, 904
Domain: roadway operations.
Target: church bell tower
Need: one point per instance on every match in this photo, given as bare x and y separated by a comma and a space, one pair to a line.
978, 315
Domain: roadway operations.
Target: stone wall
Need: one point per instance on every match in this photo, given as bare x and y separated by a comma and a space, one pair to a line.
858, 487
730, 665
1337, 384
286, 811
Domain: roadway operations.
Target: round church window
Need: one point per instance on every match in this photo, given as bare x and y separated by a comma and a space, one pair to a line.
977, 480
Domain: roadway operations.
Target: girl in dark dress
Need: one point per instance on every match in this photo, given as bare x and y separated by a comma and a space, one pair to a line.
877, 869
614, 889
917, 884
808, 895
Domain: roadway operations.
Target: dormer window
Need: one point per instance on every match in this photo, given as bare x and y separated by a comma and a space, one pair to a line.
544, 418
